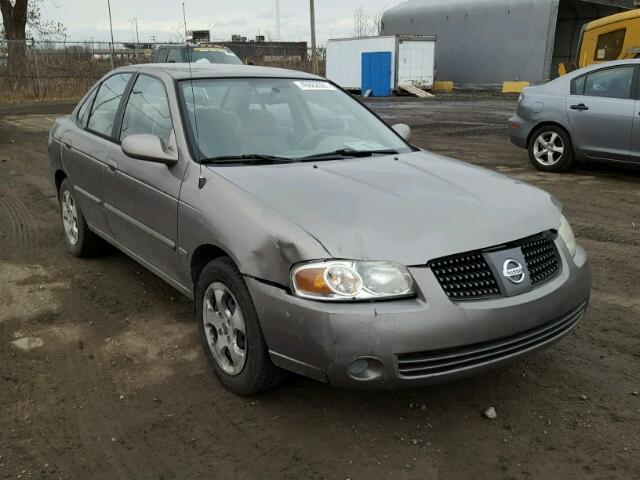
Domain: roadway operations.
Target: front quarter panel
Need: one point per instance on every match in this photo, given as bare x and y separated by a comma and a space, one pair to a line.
263, 243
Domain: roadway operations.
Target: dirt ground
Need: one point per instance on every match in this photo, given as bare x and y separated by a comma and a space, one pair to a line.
102, 377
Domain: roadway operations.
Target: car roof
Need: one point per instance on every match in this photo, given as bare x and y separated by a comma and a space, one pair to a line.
599, 65
182, 71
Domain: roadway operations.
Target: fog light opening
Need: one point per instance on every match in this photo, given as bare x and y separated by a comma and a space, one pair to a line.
365, 369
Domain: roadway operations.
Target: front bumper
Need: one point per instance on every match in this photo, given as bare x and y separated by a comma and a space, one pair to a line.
322, 339
519, 131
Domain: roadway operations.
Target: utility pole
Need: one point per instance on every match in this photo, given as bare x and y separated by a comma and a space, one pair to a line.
137, 34
278, 20
314, 55
111, 28
184, 18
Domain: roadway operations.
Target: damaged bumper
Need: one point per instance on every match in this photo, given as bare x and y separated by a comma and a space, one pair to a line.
420, 341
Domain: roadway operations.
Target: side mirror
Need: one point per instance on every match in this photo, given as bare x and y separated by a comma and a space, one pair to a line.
403, 130
150, 148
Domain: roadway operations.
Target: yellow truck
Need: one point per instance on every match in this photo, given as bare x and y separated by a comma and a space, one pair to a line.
610, 38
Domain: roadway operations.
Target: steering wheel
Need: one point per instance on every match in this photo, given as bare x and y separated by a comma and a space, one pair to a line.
313, 138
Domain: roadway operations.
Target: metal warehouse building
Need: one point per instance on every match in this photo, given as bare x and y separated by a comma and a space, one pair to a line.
483, 43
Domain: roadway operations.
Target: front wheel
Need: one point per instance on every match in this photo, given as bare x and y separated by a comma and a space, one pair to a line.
550, 149
230, 331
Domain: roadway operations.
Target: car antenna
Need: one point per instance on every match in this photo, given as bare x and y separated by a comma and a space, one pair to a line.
201, 179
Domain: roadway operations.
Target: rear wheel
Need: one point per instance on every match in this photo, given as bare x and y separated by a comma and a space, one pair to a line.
230, 331
80, 241
550, 149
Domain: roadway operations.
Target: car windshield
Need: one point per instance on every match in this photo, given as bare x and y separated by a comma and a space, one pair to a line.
214, 55
284, 118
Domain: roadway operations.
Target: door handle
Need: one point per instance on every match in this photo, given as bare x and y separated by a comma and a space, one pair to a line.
582, 107
66, 144
112, 166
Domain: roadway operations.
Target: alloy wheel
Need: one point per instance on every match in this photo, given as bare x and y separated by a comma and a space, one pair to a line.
70, 217
224, 328
548, 148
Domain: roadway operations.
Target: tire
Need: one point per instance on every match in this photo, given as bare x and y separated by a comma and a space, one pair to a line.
80, 240
550, 149
240, 359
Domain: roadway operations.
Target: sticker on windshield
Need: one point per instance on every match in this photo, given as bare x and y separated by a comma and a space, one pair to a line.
313, 85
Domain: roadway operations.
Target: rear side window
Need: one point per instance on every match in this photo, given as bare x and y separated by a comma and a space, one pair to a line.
610, 45
162, 55
147, 110
105, 106
610, 82
83, 113
175, 56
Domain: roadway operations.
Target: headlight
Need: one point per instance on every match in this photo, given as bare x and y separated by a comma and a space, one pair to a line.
351, 280
567, 236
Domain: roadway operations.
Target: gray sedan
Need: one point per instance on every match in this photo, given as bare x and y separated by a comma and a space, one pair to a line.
589, 114
312, 237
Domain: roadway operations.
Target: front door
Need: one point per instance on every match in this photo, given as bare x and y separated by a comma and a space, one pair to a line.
142, 196
601, 111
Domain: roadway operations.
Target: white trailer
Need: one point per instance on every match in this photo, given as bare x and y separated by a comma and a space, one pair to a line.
412, 59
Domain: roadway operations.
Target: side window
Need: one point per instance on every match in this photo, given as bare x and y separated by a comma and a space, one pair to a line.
147, 110
175, 56
577, 86
610, 82
105, 106
83, 112
609, 45
162, 55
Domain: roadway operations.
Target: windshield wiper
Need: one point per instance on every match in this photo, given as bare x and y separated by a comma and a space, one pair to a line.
250, 158
347, 152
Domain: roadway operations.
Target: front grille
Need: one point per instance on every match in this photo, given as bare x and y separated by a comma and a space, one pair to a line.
542, 260
439, 362
465, 277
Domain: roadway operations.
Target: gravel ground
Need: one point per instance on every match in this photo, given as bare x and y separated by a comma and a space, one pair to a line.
102, 377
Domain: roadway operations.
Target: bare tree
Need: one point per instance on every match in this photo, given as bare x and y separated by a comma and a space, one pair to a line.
366, 23
360, 22
177, 34
375, 20
14, 21
40, 28
17, 17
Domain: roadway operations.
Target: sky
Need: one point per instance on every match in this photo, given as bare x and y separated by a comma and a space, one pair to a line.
87, 19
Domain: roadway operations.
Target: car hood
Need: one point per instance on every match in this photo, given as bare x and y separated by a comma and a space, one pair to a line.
410, 210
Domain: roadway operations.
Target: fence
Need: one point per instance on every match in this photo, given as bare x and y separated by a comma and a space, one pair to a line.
50, 71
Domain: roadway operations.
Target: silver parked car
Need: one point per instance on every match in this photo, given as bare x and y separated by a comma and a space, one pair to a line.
313, 237
589, 114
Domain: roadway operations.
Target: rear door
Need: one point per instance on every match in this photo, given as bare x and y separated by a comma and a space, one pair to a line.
142, 197
84, 148
601, 110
